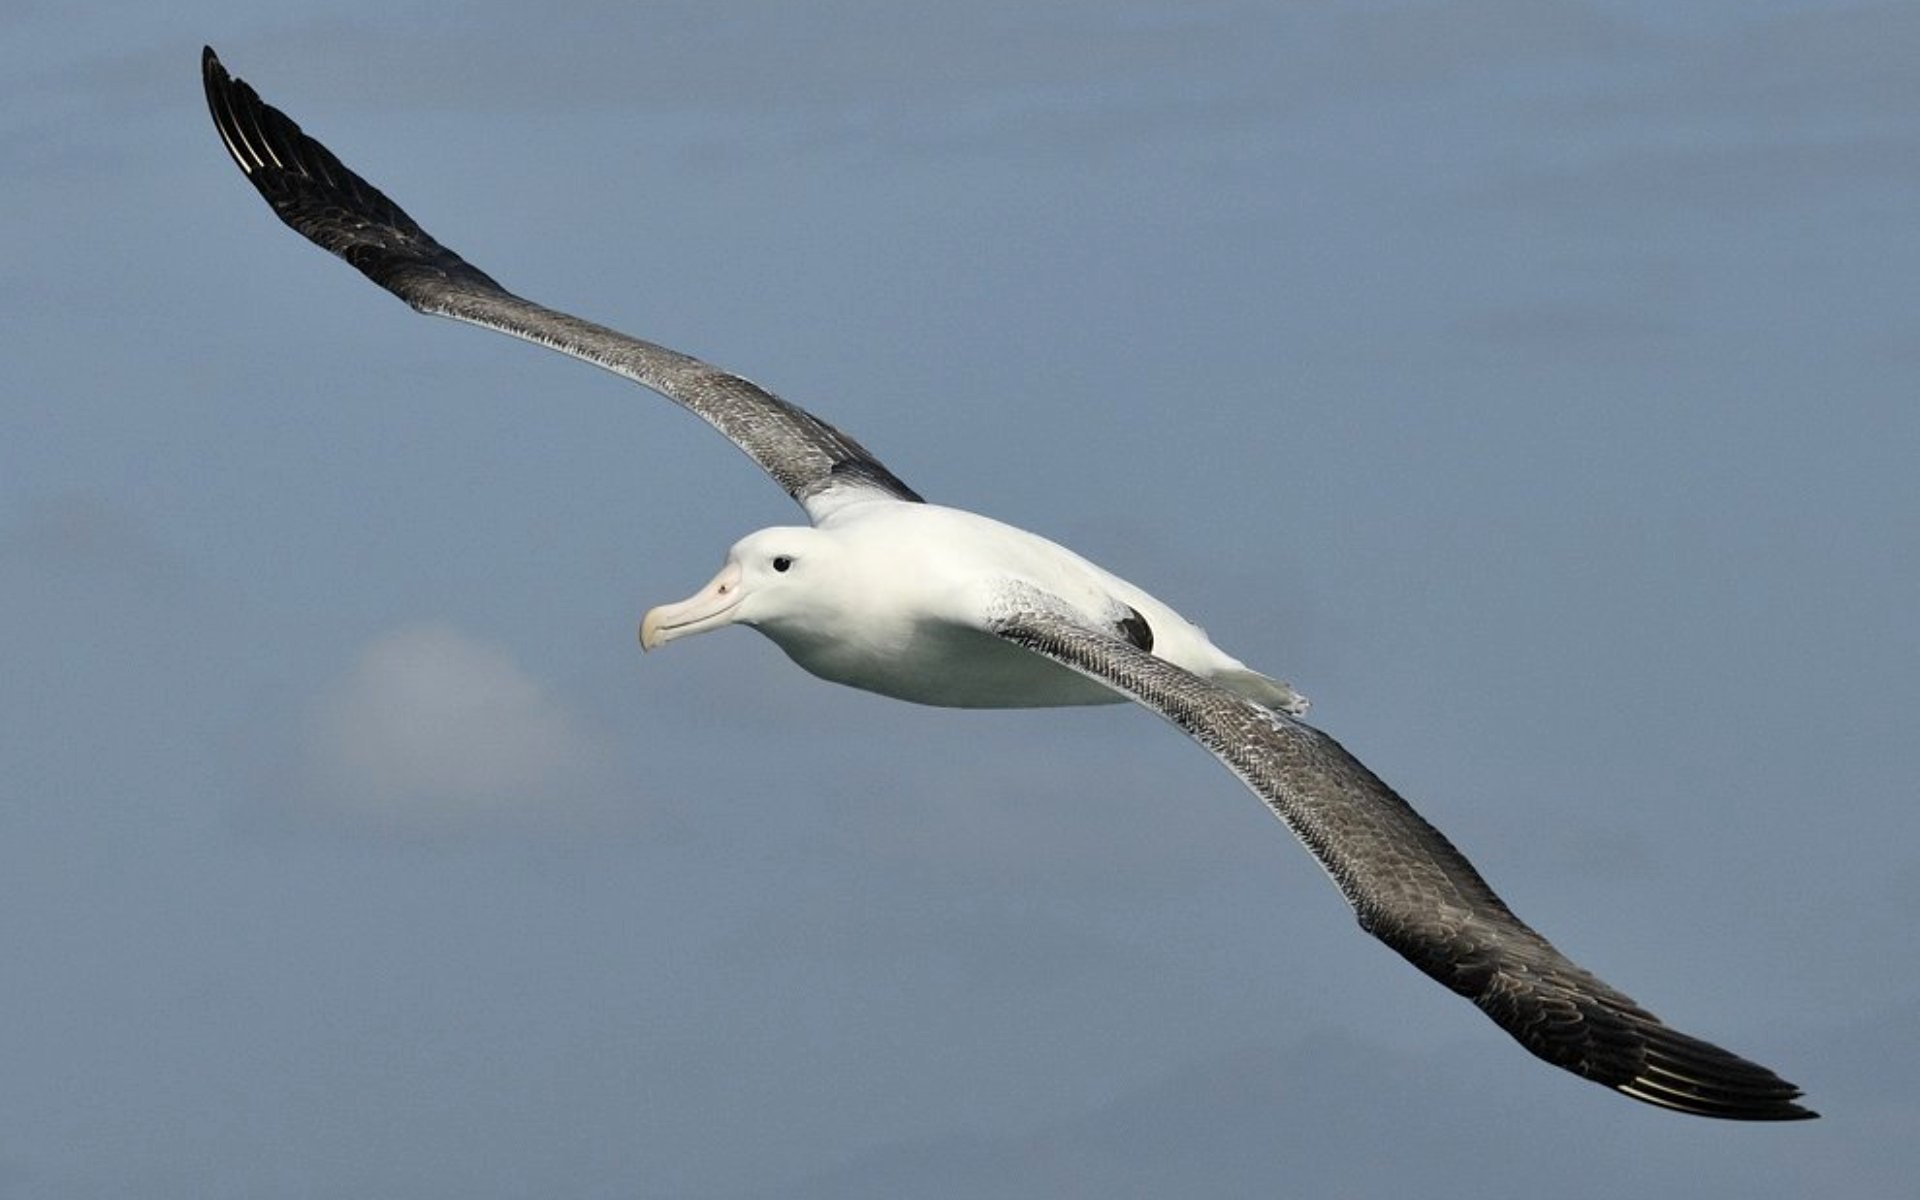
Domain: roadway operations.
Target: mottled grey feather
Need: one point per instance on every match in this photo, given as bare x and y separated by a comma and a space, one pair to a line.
1409, 886
324, 201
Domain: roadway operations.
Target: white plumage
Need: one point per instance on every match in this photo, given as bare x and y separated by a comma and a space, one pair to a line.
896, 597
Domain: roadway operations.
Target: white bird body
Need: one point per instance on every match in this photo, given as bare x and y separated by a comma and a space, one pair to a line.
895, 597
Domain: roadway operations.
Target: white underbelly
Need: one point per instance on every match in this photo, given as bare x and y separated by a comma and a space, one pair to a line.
954, 668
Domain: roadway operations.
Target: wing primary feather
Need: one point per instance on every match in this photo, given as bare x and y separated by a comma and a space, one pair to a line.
323, 200
1407, 883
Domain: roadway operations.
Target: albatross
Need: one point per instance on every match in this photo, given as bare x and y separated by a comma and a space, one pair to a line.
886, 592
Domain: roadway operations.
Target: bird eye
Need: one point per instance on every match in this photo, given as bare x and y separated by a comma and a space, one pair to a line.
782, 562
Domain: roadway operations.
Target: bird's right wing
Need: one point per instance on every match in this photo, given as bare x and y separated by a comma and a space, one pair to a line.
325, 202
1407, 883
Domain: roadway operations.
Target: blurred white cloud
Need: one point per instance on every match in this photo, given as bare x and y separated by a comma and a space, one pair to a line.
432, 730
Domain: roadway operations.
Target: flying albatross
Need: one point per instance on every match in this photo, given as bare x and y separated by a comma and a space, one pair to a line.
886, 592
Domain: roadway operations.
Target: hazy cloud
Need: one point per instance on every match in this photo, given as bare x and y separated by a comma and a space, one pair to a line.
431, 729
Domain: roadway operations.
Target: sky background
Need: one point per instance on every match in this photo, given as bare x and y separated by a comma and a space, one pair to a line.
1532, 382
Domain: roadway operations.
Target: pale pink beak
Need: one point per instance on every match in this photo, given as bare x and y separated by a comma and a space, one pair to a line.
709, 608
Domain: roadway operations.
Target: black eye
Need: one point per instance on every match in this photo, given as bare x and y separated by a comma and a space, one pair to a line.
781, 562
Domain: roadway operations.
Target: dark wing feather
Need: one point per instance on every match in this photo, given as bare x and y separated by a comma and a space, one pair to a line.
1410, 887
325, 202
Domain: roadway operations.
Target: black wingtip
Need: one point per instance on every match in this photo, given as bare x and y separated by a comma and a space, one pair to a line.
320, 197
213, 76
1689, 1075
230, 102
1725, 1105
214, 80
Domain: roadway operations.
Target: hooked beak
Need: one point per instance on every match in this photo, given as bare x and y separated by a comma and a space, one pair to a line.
709, 608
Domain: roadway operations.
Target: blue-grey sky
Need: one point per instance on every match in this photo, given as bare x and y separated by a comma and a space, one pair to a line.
1533, 383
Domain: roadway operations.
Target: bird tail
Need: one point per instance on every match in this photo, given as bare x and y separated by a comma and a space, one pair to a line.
1267, 692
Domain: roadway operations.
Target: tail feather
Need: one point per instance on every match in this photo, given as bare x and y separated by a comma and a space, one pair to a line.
1264, 690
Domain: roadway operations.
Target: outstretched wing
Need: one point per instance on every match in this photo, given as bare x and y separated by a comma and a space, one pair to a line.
1409, 886
329, 205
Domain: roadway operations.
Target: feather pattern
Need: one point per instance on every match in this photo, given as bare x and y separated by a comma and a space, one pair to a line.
1407, 883
324, 201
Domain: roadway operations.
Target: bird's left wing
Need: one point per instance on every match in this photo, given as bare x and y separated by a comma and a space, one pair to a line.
326, 203
1407, 883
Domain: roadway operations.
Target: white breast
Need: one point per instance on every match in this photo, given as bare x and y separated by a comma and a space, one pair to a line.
905, 614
